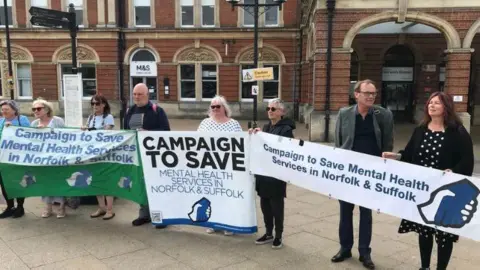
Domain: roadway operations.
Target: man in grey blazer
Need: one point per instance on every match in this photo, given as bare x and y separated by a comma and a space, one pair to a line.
367, 129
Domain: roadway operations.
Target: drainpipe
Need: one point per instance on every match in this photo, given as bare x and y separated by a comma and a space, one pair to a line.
121, 48
297, 86
331, 12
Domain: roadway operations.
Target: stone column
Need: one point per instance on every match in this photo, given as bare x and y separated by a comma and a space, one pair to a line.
339, 91
101, 13
112, 12
457, 80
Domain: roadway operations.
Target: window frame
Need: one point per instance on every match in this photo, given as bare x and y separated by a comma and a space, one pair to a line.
181, 14
60, 76
189, 80
29, 4
202, 80
12, 14
272, 81
134, 11
198, 80
197, 15
18, 79
260, 96
261, 20
83, 8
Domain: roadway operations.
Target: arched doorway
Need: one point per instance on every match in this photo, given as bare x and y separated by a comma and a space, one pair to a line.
397, 82
143, 69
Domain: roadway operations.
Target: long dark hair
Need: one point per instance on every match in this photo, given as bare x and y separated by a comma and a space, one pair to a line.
102, 99
450, 118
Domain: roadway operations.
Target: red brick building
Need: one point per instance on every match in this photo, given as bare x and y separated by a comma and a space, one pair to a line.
198, 47
195, 47
410, 48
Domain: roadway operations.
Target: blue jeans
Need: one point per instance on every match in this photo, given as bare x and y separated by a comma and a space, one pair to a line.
346, 228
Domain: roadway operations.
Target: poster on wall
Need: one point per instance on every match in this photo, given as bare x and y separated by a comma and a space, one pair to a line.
397, 74
73, 93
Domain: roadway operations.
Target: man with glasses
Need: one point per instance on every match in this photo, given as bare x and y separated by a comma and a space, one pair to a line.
368, 129
145, 115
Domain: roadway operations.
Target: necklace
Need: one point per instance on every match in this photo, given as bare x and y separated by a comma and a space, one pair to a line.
94, 118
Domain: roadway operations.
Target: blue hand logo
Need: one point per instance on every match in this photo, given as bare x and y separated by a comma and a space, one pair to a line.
28, 180
125, 183
452, 205
81, 179
201, 211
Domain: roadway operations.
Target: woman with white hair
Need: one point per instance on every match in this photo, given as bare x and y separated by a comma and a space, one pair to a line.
11, 117
219, 120
272, 192
44, 114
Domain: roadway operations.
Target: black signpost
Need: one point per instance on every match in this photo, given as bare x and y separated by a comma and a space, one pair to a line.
58, 19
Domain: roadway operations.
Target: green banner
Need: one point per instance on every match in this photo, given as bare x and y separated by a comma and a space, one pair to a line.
70, 163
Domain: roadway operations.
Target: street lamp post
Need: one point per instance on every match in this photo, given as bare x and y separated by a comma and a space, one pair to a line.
256, 14
9, 52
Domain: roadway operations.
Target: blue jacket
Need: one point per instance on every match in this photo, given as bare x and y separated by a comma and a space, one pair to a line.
20, 120
152, 120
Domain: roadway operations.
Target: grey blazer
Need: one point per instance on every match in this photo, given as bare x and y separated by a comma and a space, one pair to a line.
382, 123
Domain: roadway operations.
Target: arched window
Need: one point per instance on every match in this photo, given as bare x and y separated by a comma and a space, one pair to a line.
399, 56
143, 55
198, 73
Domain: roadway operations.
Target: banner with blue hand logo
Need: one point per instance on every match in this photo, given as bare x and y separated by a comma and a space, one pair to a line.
443, 200
70, 163
199, 178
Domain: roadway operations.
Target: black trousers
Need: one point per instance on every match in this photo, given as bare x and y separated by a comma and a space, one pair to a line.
10, 202
444, 250
273, 213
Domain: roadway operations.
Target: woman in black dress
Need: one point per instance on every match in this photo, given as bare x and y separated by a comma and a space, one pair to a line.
443, 143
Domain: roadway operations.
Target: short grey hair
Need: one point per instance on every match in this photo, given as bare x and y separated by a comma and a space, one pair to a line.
222, 101
12, 104
278, 102
48, 106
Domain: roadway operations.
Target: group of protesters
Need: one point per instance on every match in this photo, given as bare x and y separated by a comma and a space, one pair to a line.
363, 127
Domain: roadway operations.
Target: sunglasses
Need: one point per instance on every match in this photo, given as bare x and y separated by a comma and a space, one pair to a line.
271, 109
37, 109
215, 107
95, 104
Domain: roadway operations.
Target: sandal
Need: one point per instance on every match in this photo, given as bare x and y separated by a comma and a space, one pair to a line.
109, 216
46, 213
98, 213
61, 213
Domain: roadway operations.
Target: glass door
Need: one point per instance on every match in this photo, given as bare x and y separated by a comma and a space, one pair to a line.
151, 83
397, 97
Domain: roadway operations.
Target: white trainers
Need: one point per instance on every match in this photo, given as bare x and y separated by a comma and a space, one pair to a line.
210, 230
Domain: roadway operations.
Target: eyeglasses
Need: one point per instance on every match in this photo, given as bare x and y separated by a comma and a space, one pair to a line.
371, 94
37, 109
272, 109
96, 104
215, 107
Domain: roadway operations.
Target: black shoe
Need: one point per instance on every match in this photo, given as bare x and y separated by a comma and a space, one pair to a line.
277, 243
423, 268
341, 256
367, 262
265, 239
141, 221
160, 226
19, 212
7, 213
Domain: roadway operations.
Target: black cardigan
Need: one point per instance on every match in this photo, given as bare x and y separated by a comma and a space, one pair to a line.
456, 153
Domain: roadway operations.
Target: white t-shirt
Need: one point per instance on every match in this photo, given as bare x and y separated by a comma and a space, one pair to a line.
208, 124
100, 122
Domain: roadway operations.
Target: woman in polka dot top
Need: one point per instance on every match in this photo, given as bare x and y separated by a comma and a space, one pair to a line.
219, 120
443, 143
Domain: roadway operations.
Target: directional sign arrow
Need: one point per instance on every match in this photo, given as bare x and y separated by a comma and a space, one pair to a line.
49, 13
48, 22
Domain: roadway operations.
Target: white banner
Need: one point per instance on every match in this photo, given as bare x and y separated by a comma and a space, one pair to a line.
445, 201
397, 74
65, 147
199, 178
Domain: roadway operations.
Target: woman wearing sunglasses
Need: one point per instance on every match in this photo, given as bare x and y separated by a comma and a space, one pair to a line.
43, 112
12, 117
219, 120
270, 190
101, 119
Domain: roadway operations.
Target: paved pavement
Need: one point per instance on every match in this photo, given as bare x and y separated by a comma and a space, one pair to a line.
78, 242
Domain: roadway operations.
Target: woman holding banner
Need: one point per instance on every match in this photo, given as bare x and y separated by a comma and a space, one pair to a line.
101, 119
219, 120
271, 191
440, 142
44, 114
11, 117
